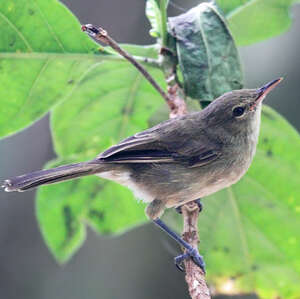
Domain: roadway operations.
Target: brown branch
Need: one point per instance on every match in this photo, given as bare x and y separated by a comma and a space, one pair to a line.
177, 104
195, 277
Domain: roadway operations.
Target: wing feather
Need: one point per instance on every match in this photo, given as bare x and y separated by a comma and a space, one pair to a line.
179, 140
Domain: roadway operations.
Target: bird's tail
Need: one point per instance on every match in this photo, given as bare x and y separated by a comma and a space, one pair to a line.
54, 175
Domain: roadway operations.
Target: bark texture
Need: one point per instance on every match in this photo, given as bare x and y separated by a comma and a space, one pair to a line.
194, 276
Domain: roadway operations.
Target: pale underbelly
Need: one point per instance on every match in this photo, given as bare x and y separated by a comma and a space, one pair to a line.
173, 194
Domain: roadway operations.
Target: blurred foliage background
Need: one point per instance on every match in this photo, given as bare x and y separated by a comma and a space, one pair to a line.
28, 271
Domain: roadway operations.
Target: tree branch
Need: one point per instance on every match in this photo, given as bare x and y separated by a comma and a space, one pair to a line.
175, 92
195, 277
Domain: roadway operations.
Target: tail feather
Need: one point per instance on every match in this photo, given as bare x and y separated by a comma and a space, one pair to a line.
50, 176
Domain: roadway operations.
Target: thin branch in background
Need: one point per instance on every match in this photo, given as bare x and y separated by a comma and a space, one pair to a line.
101, 35
195, 277
175, 104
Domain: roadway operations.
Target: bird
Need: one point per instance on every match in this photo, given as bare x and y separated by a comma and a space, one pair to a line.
177, 161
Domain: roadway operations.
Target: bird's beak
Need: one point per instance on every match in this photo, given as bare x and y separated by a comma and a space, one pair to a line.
263, 91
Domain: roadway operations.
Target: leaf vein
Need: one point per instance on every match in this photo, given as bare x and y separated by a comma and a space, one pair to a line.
238, 9
20, 34
241, 229
50, 27
34, 84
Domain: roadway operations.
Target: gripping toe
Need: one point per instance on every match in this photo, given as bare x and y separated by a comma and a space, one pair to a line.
194, 255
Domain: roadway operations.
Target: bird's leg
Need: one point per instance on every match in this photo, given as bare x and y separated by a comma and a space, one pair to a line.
197, 201
190, 251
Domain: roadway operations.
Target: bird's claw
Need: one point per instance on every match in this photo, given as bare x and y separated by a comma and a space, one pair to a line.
178, 260
194, 255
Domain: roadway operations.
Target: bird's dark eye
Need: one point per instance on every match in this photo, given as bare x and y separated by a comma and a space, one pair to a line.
238, 111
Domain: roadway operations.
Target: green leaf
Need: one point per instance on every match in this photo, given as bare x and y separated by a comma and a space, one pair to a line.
207, 54
156, 12
105, 111
252, 21
250, 232
38, 71
64, 210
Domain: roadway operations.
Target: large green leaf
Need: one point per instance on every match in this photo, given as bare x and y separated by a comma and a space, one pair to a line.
207, 54
43, 56
252, 21
250, 232
64, 209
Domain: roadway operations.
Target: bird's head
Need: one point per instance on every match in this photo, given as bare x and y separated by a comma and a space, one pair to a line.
238, 111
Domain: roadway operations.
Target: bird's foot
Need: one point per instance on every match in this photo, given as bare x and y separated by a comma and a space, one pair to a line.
197, 201
190, 251
194, 255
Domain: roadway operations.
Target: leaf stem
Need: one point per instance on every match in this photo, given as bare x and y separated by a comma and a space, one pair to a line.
163, 11
98, 57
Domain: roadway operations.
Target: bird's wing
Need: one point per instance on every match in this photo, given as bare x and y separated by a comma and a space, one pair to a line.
179, 140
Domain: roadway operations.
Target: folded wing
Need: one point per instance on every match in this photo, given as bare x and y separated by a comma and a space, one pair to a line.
179, 140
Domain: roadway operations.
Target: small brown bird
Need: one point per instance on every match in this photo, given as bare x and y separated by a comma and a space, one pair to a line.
177, 161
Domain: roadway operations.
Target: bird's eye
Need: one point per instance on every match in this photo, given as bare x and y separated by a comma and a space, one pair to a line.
238, 111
